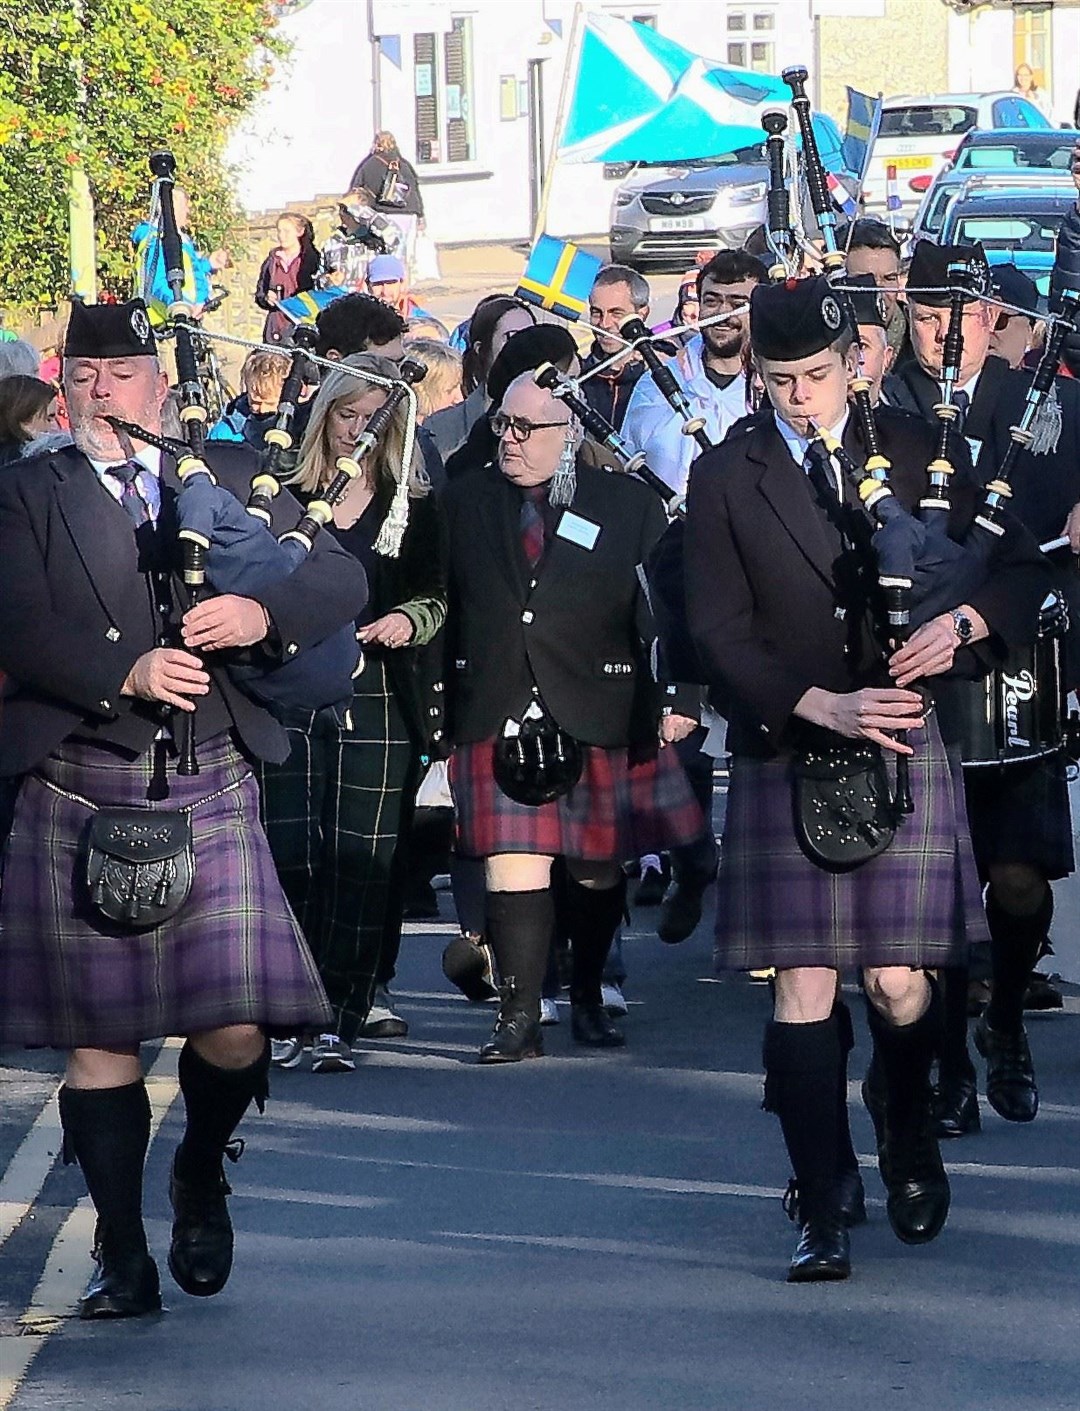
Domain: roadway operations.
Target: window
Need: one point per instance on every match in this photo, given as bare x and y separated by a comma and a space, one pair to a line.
760, 55
1031, 41
1017, 112
442, 89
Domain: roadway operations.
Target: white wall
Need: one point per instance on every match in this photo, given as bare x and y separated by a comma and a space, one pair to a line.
315, 122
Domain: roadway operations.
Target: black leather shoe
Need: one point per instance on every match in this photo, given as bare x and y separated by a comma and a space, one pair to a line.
590, 1024
516, 1034
469, 963
915, 1181
851, 1197
121, 1287
955, 1106
681, 913
201, 1252
1010, 1074
823, 1252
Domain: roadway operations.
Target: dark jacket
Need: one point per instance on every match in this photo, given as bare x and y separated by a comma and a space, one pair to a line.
609, 393
76, 612
577, 625
371, 173
772, 606
297, 280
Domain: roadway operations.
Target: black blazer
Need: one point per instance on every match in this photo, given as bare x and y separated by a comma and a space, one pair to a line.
770, 610
76, 612
578, 625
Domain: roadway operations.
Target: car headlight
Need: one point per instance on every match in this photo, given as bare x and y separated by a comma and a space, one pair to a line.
749, 195
624, 198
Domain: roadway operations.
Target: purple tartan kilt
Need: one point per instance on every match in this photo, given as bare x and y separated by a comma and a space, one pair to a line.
919, 903
617, 810
233, 954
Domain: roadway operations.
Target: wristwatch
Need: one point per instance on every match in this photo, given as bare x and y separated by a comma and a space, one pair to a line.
962, 626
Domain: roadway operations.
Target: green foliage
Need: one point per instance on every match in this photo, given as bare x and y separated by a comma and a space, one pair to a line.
103, 83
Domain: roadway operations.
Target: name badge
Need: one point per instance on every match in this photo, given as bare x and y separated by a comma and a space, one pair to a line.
582, 532
975, 446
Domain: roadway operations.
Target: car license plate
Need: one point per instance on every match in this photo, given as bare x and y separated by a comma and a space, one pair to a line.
677, 223
911, 163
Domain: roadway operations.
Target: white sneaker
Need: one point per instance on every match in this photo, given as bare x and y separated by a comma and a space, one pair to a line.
611, 997
331, 1054
286, 1053
549, 1012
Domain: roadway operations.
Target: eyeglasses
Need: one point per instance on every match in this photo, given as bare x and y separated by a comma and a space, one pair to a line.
518, 427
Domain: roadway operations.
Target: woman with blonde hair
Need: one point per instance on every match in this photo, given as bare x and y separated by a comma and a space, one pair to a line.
442, 385
335, 809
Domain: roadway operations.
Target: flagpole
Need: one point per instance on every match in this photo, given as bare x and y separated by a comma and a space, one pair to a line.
573, 45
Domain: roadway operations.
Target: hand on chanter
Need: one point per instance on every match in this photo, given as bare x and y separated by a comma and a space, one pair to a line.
865, 715
169, 675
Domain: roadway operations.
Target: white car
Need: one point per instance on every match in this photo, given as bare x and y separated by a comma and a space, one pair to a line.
919, 135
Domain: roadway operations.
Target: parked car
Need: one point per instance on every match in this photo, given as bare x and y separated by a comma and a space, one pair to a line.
1017, 149
950, 184
1014, 226
920, 134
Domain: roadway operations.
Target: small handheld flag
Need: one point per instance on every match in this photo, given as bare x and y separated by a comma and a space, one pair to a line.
892, 193
863, 124
842, 197
558, 276
306, 307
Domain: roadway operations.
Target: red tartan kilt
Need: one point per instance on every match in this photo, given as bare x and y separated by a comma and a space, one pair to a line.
617, 810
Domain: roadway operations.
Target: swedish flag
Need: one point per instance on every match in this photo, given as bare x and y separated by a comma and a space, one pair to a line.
863, 121
306, 307
559, 277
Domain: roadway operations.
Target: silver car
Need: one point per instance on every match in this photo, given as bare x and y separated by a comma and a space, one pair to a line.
661, 217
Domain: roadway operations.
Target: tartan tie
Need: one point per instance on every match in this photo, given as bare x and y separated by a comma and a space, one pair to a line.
136, 507
532, 522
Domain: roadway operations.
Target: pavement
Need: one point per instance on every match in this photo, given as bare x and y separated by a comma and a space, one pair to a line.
589, 1230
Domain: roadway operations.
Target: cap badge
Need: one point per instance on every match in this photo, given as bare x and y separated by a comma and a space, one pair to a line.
830, 313
140, 325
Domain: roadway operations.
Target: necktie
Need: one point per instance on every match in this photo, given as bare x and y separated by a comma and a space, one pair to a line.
818, 468
532, 522
962, 402
136, 507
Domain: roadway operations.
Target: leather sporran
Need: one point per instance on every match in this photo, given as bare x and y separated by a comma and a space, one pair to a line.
533, 759
843, 806
140, 864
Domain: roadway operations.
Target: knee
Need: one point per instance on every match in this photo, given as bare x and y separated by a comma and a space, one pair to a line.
102, 1068
897, 993
1017, 888
517, 872
237, 1046
804, 996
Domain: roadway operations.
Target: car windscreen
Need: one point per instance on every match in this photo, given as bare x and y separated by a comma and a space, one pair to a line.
1013, 232
935, 216
927, 120
1036, 156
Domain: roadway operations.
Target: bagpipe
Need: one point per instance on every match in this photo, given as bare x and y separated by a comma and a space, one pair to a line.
227, 546
922, 570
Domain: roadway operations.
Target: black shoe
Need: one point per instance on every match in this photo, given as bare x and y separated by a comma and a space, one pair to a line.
681, 913
917, 1187
121, 1287
590, 1025
650, 890
823, 1252
1043, 992
955, 1106
421, 903
851, 1197
516, 1034
201, 1252
469, 963
1010, 1075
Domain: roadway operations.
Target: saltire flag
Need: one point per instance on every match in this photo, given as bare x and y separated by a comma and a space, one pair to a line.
559, 277
306, 307
863, 124
892, 191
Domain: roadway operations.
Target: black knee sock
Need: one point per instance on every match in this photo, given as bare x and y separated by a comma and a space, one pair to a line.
953, 1047
215, 1099
520, 926
592, 918
846, 1160
801, 1063
1015, 945
904, 1054
107, 1131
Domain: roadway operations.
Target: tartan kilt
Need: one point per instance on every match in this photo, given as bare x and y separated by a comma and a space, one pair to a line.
619, 808
1020, 813
233, 954
917, 904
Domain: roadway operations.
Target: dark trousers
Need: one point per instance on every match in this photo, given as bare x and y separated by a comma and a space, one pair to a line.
334, 812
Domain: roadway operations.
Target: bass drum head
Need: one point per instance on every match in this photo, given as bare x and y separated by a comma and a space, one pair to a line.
1016, 713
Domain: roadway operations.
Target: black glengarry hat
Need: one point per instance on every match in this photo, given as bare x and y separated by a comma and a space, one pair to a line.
867, 301
109, 331
794, 319
939, 267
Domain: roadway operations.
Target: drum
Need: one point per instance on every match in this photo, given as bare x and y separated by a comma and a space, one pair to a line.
1018, 712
